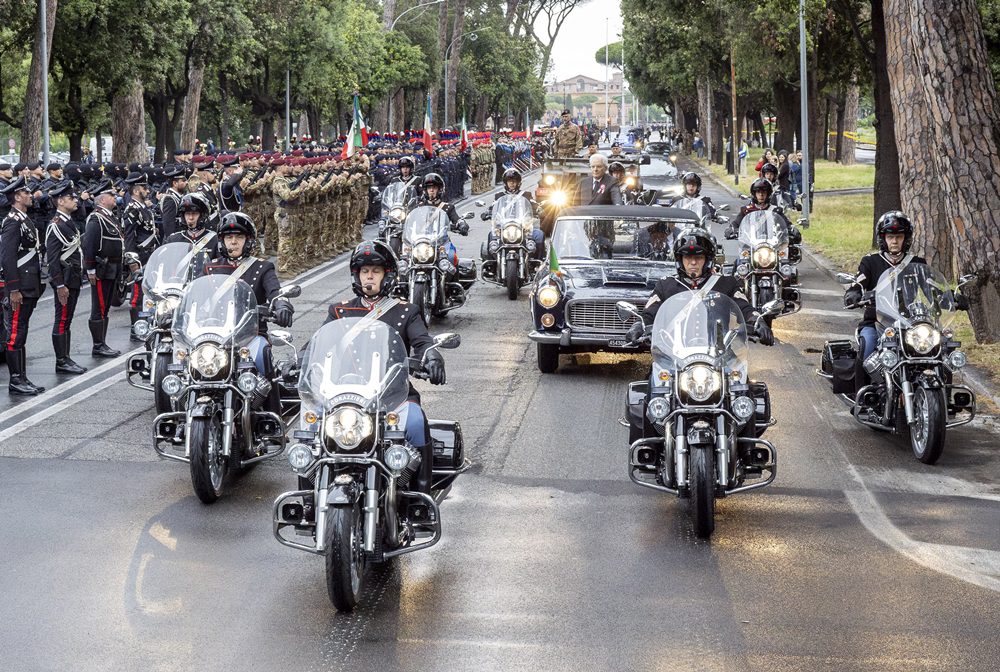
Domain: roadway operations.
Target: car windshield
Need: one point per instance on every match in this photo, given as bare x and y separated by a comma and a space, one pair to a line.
426, 223
914, 293
513, 210
169, 268
763, 227
357, 356
219, 308
586, 238
700, 326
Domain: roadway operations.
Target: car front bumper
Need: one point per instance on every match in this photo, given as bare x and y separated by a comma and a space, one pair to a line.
584, 341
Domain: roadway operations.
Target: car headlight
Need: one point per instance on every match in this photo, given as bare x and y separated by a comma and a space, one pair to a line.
423, 252
549, 180
300, 457
923, 338
397, 213
348, 427
744, 407
209, 359
764, 257
700, 382
657, 409
512, 233
549, 296
558, 198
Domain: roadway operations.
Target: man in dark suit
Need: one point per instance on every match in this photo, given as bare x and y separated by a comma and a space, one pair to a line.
597, 189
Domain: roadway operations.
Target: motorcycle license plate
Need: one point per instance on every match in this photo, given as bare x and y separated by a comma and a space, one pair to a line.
620, 343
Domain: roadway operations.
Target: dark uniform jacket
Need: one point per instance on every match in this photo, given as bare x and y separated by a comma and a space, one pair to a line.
103, 244
141, 235
870, 269
170, 211
22, 269
4, 203
727, 285
753, 207
63, 252
448, 208
209, 240
260, 275
230, 195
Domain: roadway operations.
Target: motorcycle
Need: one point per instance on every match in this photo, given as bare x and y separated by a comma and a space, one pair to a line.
222, 379
432, 280
695, 424
912, 367
397, 200
705, 215
164, 277
767, 264
511, 246
355, 468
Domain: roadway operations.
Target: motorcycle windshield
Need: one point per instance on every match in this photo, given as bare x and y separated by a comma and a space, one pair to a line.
763, 227
168, 268
426, 223
695, 205
396, 195
575, 238
914, 293
704, 327
218, 308
356, 356
511, 209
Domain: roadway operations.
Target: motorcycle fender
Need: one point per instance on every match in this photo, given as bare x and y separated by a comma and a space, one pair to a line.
343, 494
701, 438
165, 346
930, 382
202, 410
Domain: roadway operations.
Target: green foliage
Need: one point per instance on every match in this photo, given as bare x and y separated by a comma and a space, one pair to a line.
614, 55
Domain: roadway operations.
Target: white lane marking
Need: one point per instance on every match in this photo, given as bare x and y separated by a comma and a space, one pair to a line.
819, 292
827, 313
951, 560
901, 480
35, 419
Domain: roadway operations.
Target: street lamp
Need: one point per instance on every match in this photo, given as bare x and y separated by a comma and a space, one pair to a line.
472, 38
405, 12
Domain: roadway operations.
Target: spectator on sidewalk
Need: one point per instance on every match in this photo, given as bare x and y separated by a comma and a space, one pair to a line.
795, 170
699, 145
784, 171
768, 157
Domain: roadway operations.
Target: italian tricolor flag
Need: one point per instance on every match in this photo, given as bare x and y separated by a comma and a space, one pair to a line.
428, 133
465, 136
358, 137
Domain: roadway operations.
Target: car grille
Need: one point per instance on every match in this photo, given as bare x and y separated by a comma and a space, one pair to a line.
597, 316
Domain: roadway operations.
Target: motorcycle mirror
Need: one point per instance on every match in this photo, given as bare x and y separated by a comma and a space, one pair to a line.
744, 196
291, 292
627, 310
282, 335
468, 215
480, 204
965, 279
722, 208
846, 278
773, 307
644, 161
448, 341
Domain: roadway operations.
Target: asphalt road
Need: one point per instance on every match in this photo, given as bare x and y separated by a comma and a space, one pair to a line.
857, 558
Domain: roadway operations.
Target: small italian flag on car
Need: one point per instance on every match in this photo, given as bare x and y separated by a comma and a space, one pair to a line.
554, 261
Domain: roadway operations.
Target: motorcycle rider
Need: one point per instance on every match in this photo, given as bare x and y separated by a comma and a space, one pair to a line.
694, 252
769, 172
692, 189
373, 277
195, 211
406, 176
760, 194
512, 187
433, 196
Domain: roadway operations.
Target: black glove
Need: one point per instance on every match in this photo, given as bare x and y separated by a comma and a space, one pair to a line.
635, 333
282, 315
485, 215
852, 296
764, 333
462, 228
961, 301
434, 366
731, 234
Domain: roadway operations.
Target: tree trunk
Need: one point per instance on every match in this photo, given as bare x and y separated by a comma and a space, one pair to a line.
192, 104
398, 110
846, 151
31, 129
719, 116
303, 128
786, 111
453, 65
703, 94
224, 109
128, 125
437, 104
157, 110
838, 150
267, 132
887, 196
945, 63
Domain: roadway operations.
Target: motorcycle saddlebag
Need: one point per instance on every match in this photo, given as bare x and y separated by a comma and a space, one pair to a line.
466, 270
446, 439
762, 397
636, 411
838, 361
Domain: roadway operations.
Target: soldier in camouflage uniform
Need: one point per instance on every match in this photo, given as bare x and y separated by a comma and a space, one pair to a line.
569, 139
284, 197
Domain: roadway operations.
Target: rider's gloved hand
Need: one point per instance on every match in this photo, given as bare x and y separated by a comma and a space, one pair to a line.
961, 301
852, 296
434, 366
485, 215
635, 332
764, 333
283, 315
463, 228
731, 234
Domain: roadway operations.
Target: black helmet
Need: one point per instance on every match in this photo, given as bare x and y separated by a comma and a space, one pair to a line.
433, 180
512, 174
616, 168
406, 161
195, 203
761, 184
373, 253
692, 178
894, 221
768, 168
694, 241
238, 222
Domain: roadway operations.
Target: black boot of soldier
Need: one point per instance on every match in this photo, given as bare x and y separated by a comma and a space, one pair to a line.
134, 315
64, 364
97, 330
19, 384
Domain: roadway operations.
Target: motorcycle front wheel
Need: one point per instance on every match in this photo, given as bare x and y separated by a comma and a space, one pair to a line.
927, 433
345, 556
422, 301
702, 486
161, 400
512, 278
208, 465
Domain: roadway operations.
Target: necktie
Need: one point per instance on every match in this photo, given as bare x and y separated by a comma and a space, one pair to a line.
594, 188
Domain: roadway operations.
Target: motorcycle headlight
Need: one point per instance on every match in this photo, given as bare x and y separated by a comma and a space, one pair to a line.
445, 266
165, 307
247, 382
397, 213
494, 246
403, 267
744, 407
399, 456
764, 257
171, 385
922, 338
700, 382
889, 358
530, 244
141, 329
209, 359
658, 409
786, 270
512, 234
300, 457
630, 181
348, 427
558, 198
423, 252
549, 180
957, 359
549, 296
743, 269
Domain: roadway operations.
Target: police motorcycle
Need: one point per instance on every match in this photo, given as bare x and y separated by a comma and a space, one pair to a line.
167, 272
912, 367
431, 274
511, 245
356, 471
695, 425
397, 200
767, 264
221, 382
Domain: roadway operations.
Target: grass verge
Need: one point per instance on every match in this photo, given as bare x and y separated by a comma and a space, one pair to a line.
829, 175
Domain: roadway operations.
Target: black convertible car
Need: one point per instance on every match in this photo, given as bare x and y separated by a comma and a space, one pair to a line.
600, 255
